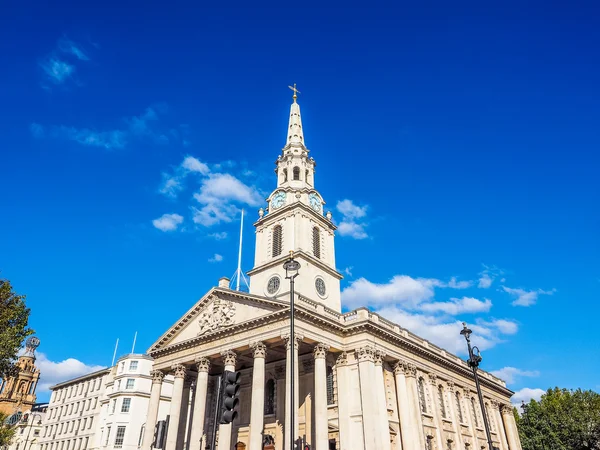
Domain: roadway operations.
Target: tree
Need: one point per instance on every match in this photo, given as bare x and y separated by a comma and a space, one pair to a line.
562, 420
6, 432
14, 316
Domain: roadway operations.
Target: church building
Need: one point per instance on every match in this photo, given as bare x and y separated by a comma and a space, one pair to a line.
361, 382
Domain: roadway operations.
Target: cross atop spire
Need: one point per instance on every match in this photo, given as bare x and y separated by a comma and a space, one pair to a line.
296, 92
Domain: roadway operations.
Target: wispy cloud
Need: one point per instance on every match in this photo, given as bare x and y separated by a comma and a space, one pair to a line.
353, 223
60, 65
526, 298
348, 270
135, 128
215, 258
168, 222
488, 275
511, 374
459, 305
219, 236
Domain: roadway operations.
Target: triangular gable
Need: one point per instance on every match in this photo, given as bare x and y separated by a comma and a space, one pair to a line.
217, 310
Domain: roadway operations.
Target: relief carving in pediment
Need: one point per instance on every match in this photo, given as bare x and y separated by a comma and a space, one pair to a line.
219, 314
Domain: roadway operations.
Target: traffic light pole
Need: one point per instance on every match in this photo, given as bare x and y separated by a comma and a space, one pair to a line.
217, 413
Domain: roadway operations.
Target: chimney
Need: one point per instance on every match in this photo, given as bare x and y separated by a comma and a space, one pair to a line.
224, 282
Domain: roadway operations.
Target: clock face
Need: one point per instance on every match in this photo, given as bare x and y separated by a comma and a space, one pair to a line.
278, 200
315, 202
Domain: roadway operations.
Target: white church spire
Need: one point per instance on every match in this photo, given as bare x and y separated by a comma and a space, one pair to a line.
295, 133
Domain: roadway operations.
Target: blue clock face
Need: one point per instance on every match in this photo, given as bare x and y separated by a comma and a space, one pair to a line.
278, 200
315, 202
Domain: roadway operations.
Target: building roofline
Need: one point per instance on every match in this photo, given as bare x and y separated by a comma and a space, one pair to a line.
81, 378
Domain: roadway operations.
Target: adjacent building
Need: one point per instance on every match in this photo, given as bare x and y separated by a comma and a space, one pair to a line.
28, 430
104, 409
362, 382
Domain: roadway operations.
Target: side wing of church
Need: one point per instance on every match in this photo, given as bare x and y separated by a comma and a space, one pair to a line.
361, 381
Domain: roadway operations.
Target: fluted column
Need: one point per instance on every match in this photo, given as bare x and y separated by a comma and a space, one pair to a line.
366, 371
321, 431
257, 412
451, 399
343, 387
229, 359
414, 404
185, 410
436, 409
291, 352
407, 426
203, 366
157, 379
175, 410
511, 428
499, 425
381, 407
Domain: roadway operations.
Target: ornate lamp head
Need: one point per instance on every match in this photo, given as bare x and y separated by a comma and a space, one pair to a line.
466, 332
291, 267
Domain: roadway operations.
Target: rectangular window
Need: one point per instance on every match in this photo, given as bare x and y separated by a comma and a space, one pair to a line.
113, 406
85, 443
107, 436
120, 436
83, 424
118, 387
130, 383
36, 433
125, 405
91, 421
133, 365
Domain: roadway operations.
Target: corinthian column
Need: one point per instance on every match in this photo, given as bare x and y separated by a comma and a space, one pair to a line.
291, 352
407, 426
229, 359
366, 372
203, 366
500, 426
511, 428
175, 410
343, 387
436, 409
257, 413
381, 407
157, 379
321, 432
415, 408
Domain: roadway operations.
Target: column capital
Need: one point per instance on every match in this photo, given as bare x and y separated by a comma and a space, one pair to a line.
466, 392
320, 350
297, 340
379, 355
495, 404
433, 378
506, 409
259, 349
366, 353
229, 357
450, 385
342, 359
179, 370
202, 364
157, 376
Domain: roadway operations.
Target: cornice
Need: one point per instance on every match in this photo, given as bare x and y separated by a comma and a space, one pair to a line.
280, 213
297, 255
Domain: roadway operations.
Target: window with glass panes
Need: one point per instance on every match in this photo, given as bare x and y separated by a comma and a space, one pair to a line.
125, 405
130, 383
120, 436
133, 365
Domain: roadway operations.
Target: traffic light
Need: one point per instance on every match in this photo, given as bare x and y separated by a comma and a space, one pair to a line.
160, 432
231, 388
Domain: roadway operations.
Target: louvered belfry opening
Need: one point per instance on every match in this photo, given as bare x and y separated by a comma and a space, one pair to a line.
316, 242
277, 240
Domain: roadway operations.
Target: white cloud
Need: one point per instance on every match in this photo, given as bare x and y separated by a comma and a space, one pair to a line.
168, 222
503, 325
59, 66
454, 284
57, 71
348, 271
56, 372
67, 46
459, 305
170, 186
215, 258
488, 275
526, 394
219, 236
526, 298
350, 226
510, 374
194, 165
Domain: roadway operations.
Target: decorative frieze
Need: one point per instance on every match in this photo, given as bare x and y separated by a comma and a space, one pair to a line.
179, 370
202, 364
229, 357
259, 350
320, 350
157, 376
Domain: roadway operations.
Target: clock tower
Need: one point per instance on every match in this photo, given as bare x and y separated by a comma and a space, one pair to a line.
294, 219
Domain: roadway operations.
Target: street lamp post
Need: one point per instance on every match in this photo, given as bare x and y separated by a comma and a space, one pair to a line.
473, 361
292, 267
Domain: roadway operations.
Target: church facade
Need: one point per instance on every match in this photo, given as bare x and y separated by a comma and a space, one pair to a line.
361, 381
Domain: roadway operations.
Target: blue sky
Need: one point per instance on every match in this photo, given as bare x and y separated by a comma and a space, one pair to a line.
457, 145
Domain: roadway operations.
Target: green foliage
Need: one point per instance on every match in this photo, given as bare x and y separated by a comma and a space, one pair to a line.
562, 420
6, 432
14, 316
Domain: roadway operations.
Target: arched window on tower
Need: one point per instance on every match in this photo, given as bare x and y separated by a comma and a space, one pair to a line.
422, 399
459, 409
270, 397
474, 408
316, 236
296, 173
277, 240
441, 400
330, 393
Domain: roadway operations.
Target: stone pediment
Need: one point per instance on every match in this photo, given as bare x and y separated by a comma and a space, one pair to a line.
218, 310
